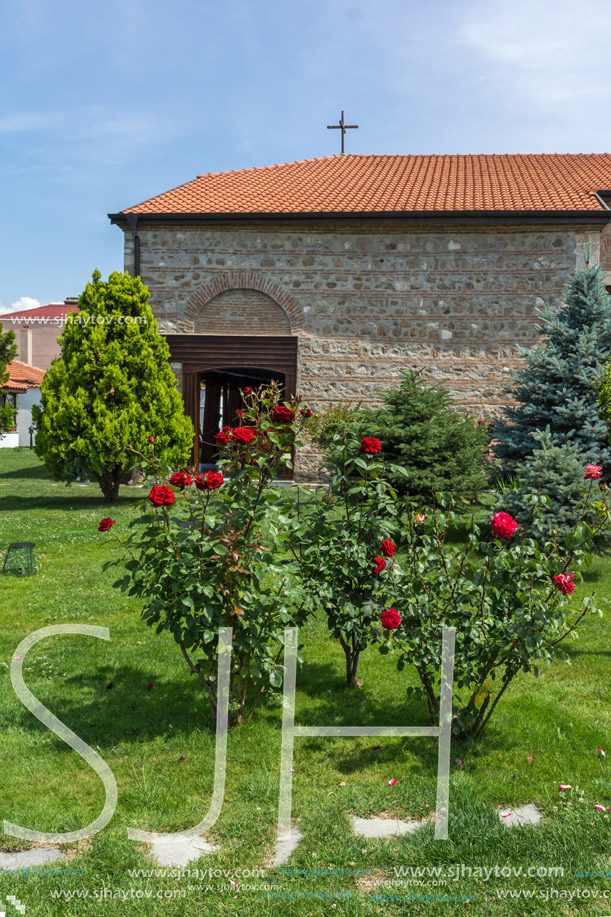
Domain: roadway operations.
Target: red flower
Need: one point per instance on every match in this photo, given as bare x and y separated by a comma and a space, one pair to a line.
391, 619
480, 421
209, 481
503, 525
222, 438
388, 548
150, 686
242, 434
248, 390
284, 414
306, 412
110, 686
152, 439
105, 524
371, 445
180, 479
161, 495
240, 413
592, 472
565, 583
380, 565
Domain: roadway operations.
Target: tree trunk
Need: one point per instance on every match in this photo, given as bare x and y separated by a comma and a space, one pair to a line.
109, 482
352, 662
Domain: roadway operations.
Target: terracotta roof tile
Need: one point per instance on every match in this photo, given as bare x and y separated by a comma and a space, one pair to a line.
53, 310
377, 184
23, 375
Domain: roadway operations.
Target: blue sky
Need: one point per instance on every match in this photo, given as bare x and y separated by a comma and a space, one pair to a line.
108, 102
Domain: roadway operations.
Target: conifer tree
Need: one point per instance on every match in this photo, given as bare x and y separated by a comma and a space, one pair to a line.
440, 448
8, 352
111, 389
559, 385
556, 472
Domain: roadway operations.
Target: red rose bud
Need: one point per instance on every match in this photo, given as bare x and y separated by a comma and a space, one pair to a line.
371, 445
388, 548
248, 390
380, 565
161, 495
240, 413
242, 435
152, 439
180, 479
150, 686
105, 524
592, 472
283, 414
307, 412
480, 421
391, 619
564, 582
209, 481
503, 525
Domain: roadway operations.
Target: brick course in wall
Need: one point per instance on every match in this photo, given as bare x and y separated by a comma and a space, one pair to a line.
368, 301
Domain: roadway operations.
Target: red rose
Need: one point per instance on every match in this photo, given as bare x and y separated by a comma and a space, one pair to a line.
242, 434
371, 445
152, 439
248, 390
161, 495
209, 481
307, 413
388, 548
283, 414
592, 472
480, 421
380, 565
240, 413
105, 524
180, 479
503, 525
565, 583
150, 686
222, 438
390, 619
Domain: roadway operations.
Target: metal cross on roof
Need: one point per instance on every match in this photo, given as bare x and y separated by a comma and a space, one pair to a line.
341, 127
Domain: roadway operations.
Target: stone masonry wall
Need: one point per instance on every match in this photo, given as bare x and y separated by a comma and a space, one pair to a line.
368, 301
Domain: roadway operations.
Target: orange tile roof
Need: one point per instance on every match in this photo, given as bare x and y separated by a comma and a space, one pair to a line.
52, 310
23, 376
383, 184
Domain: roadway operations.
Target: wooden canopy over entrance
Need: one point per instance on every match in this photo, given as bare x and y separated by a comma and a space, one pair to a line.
216, 355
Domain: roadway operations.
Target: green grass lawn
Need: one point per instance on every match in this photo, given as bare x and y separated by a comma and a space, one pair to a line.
560, 718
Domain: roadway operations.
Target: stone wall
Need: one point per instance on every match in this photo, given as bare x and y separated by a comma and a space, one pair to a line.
370, 300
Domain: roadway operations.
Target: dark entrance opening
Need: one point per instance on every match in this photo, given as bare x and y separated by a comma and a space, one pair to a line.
219, 400
229, 362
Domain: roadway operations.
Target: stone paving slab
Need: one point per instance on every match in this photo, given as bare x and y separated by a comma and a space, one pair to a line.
522, 815
36, 856
385, 827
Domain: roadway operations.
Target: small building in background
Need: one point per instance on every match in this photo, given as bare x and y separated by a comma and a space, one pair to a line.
22, 390
37, 331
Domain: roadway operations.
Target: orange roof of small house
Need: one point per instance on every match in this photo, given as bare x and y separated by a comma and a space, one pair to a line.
42, 313
23, 376
357, 183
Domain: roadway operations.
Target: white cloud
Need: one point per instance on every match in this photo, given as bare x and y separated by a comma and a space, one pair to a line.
23, 303
542, 54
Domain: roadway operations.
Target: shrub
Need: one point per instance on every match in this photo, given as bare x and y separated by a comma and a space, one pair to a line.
509, 598
211, 554
555, 472
345, 548
437, 447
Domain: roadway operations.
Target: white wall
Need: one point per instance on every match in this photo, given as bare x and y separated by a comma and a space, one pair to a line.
24, 413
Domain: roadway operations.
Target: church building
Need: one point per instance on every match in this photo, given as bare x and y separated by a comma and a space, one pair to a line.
334, 274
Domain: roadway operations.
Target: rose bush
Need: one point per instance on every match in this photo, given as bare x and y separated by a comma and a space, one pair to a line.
213, 554
508, 596
344, 551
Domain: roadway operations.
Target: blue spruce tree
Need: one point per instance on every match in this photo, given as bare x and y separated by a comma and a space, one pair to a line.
558, 388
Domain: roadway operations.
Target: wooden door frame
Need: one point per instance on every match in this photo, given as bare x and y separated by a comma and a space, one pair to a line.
202, 353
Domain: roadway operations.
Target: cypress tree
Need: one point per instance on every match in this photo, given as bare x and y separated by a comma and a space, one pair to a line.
111, 389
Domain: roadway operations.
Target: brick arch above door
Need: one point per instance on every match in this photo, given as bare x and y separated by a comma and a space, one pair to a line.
241, 312
246, 280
